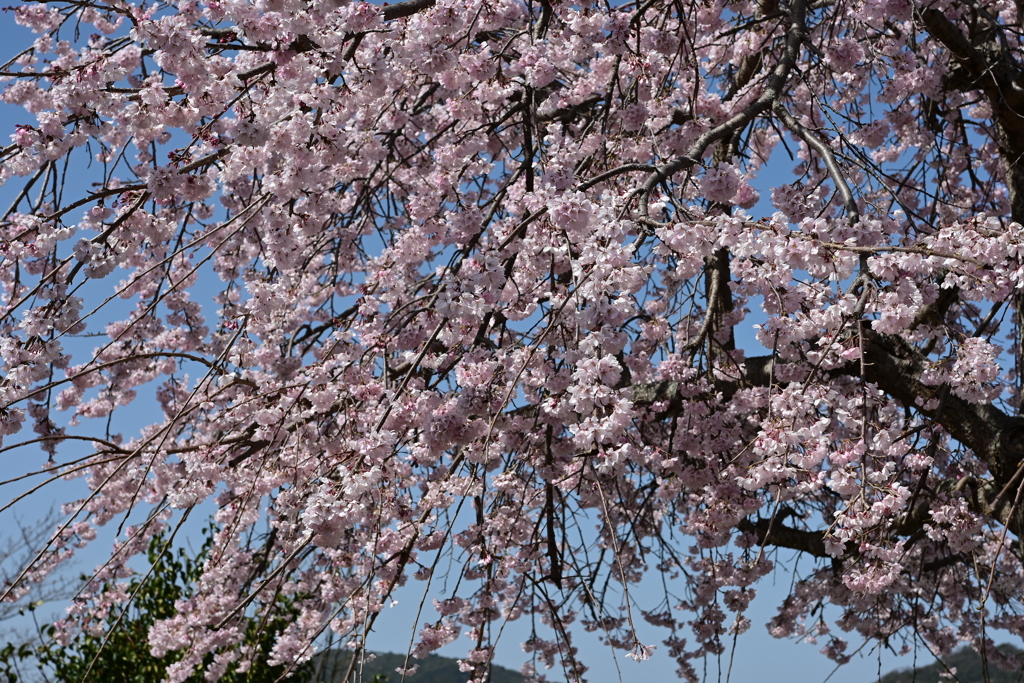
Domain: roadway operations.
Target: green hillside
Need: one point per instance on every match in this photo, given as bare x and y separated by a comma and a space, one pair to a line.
333, 663
968, 666
434, 669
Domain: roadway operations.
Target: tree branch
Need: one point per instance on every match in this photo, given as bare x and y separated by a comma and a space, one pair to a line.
777, 534
406, 9
773, 90
825, 152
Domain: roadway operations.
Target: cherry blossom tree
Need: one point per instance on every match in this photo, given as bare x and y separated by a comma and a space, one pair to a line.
108, 646
19, 547
485, 287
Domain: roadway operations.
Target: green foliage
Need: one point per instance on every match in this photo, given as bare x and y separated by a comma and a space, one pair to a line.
10, 655
119, 652
969, 669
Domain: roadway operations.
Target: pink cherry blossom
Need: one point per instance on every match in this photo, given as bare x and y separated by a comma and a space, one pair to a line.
485, 294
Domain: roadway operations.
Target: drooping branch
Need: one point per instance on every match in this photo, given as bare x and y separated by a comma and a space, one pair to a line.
843, 187
772, 91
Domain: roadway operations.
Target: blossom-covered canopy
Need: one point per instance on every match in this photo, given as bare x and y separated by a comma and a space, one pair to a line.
485, 288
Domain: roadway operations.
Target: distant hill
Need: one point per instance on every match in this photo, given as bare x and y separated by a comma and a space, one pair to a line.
968, 670
433, 669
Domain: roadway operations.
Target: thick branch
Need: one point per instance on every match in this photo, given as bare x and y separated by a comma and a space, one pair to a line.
778, 534
772, 91
896, 368
825, 152
406, 9
754, 372
993, 70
